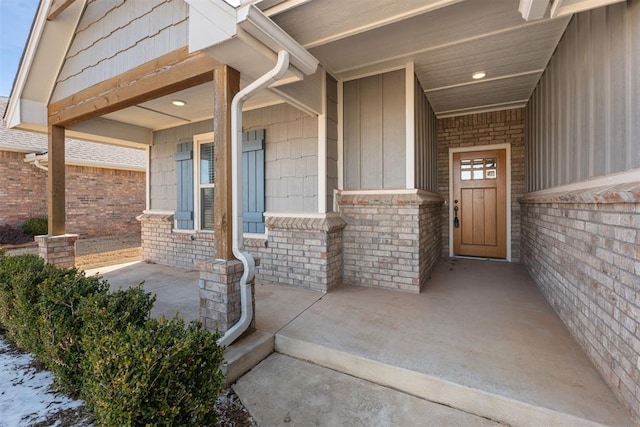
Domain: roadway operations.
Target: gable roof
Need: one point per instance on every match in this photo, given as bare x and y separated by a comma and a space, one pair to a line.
77, 152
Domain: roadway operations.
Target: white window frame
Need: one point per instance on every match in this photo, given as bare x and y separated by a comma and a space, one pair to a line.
198, 140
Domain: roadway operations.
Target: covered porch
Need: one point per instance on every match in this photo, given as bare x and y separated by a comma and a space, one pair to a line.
480, 339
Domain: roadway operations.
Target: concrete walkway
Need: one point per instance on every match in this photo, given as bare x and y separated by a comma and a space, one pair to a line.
480, 338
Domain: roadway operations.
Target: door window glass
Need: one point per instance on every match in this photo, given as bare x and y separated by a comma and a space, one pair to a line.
478, 169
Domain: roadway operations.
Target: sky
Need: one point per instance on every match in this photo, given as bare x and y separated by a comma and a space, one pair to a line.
16, 17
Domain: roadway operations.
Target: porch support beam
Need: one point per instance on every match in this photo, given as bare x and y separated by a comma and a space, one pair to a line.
227, 85
168, 74
56, 181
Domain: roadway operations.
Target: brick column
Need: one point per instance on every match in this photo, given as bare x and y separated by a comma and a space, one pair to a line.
391, 240
58, 250
303, 251
220, 305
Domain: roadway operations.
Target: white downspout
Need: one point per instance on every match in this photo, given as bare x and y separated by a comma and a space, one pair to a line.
270, 77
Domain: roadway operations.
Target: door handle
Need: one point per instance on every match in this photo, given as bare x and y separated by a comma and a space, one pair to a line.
456, 221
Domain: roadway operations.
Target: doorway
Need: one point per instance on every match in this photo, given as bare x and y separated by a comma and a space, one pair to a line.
480, 195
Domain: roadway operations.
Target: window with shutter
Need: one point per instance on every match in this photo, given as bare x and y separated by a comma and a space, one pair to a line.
253, 196
184, 185
206, 184
196, 182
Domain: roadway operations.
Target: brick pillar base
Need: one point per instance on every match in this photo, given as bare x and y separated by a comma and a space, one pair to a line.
58, 250
220, 305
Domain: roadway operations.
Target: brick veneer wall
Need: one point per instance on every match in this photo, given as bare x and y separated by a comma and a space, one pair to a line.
99, 201
104, 202
497, 127
302, 251
161, 244
23, 189
390, 240
583, 251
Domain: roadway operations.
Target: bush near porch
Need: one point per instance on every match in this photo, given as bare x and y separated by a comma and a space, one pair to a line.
103, 346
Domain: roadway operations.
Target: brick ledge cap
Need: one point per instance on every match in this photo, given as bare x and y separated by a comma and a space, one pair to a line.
621, 193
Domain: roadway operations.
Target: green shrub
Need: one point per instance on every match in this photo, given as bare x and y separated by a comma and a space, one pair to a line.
20, 277
35, 226
61, 324
158, 374
104, 313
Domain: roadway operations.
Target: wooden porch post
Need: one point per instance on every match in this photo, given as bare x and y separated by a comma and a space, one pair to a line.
227, 84
56, 181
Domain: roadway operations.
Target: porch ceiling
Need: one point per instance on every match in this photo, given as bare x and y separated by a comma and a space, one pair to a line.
160, 113
447, 40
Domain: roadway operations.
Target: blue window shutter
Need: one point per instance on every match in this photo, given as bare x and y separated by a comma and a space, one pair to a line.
253, 181
184, 185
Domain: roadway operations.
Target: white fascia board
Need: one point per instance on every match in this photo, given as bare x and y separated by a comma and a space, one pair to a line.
211, 22
14, 108
42, 60
532, 10
581, 6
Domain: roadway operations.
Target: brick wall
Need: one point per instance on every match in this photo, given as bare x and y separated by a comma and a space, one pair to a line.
161, 244
23, 189
583, 251
390, 240
302, 251
496, 127
99, 202
103, 202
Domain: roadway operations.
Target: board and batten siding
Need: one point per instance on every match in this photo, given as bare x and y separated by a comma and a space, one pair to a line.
583, 119
426, 136
115, 36
374, 132
332, 139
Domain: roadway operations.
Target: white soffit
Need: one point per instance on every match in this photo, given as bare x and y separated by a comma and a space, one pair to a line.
447, 42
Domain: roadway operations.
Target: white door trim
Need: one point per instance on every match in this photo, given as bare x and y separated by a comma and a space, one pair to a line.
505, 146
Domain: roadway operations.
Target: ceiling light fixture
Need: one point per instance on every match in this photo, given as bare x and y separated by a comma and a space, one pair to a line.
178, 103
479, 75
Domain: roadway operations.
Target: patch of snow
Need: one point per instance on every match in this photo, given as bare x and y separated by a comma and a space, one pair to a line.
26, 394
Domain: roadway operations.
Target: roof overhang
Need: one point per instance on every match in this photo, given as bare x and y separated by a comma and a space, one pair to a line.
41, 61
41, 160
245, 39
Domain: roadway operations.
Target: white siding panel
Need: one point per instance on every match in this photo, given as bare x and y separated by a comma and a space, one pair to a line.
583, 118
374, 128
426, 133
115, 36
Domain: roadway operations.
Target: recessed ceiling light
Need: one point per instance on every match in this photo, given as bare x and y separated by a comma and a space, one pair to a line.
178, 103
479, 75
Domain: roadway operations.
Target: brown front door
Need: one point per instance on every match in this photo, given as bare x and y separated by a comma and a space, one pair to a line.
479, 193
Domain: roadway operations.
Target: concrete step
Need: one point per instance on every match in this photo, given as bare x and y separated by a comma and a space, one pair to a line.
246, 353
471, 400
283, 391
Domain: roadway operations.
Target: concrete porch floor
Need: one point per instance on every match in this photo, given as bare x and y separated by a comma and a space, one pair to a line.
480, 338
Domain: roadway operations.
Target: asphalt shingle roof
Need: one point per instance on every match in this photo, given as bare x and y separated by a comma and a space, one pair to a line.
77, 151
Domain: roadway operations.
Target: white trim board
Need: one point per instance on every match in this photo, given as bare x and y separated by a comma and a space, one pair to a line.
504, 146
